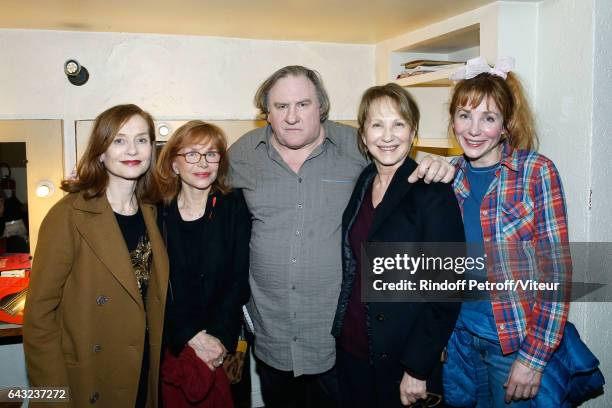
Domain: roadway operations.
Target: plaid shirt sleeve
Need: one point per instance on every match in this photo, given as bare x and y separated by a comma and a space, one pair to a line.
548, 317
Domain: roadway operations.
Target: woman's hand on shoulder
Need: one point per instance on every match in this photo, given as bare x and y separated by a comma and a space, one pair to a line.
412, 389
433, 169
208, 348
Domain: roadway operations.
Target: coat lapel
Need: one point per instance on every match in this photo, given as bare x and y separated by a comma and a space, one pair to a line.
100, 230
395, 193
350, 214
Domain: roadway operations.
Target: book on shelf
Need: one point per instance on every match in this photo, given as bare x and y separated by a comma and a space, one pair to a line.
428, 63
424, 69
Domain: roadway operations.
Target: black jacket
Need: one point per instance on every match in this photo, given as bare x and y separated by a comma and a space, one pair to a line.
211, 297
403, 336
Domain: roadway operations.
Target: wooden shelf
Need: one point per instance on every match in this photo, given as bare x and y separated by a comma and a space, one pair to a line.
10, 330
438, 78
442, 146
443, 143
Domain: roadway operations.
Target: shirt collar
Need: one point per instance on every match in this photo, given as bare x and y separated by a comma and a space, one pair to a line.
264, 136
329, 134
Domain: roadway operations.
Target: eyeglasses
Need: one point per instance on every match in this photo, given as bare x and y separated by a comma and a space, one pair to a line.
432, 400
195, 157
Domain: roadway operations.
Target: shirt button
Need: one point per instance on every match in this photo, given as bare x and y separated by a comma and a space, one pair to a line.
100, 300
300, 205
293, 260
295, 338
97, 348
292, 287
383, 356
94, 397
299, 179
380, 317
297, 233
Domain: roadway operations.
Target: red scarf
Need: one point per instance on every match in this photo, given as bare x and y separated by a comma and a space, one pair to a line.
187, 382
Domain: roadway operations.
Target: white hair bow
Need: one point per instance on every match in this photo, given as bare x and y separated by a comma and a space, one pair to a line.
477, 66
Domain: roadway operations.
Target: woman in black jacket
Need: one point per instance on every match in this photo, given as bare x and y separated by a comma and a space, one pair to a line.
388, 352
207, 228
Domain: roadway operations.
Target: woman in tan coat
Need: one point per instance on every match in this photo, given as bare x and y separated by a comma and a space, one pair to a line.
93, 317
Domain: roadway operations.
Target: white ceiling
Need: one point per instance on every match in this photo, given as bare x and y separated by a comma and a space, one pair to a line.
348, 21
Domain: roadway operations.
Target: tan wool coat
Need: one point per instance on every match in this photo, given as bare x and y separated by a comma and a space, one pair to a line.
85, 320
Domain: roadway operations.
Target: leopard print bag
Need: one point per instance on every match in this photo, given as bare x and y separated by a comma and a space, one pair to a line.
233, 364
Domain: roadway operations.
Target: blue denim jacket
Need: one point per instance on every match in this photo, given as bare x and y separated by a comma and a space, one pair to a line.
571, 375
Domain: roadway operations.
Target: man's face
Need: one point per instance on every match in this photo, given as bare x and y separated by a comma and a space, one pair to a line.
294, 112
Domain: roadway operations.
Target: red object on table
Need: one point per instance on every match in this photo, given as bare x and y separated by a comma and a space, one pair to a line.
12, 289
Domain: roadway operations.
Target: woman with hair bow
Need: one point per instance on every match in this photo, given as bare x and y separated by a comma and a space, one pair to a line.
511, 349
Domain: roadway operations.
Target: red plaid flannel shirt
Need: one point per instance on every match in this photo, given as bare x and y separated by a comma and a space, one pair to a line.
525, 202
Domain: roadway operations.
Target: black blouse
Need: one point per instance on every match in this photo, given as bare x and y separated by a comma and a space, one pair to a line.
135, 235
209, 265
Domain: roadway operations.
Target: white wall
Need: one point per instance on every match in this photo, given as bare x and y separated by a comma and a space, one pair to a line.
564, 106
573, 105
173, 77
599, 331
601, 165
564, 99
517, 25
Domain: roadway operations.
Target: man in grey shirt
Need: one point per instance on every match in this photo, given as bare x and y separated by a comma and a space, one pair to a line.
297, 175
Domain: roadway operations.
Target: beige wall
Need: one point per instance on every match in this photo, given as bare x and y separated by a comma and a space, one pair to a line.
172, 77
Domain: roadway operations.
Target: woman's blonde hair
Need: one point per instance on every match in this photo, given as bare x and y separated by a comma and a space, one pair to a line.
399, 97
509, 96
192, 132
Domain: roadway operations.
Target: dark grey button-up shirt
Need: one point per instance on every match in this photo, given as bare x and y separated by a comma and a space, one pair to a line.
295, 270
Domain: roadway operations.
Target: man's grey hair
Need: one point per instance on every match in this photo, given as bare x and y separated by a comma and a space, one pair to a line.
261, 96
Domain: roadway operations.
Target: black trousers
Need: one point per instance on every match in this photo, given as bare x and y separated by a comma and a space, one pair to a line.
361, 388
356, 381
280, 389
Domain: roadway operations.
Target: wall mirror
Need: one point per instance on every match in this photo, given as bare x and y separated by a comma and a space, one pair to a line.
32, 149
